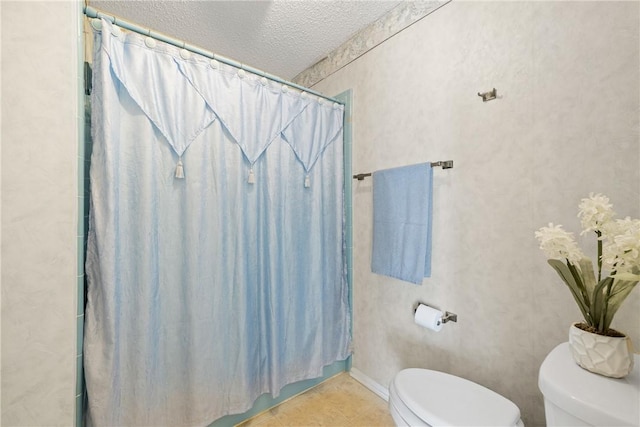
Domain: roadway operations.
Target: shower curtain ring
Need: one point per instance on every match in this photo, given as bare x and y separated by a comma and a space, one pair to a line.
184, 53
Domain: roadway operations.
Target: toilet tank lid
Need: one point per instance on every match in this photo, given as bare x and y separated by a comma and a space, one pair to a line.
593, 398
441, 399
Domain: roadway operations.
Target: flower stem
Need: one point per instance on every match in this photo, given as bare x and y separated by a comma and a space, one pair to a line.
604, 326
599, 234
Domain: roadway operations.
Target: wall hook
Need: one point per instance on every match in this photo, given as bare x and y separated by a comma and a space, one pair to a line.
488, 96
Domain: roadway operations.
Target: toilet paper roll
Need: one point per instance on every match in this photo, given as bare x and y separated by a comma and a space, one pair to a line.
428, 317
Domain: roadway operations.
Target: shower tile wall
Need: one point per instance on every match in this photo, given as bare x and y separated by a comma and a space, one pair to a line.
39, 212
565, 124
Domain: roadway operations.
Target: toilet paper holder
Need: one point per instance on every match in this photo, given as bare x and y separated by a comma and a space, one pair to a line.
447, 317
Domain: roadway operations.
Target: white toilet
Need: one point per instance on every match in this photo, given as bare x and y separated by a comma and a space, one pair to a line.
421, 397
575, 397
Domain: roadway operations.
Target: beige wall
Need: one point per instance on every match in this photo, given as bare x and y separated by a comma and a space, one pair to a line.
39, 205
565, 124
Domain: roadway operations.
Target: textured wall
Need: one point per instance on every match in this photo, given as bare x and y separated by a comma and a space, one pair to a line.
565, 124
39, 157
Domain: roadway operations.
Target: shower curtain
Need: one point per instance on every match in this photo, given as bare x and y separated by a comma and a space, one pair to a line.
216, 260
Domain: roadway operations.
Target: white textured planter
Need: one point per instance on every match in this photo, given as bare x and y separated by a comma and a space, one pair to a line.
608, 356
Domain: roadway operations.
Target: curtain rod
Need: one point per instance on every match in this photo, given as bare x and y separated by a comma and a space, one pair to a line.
446, 164
92, 12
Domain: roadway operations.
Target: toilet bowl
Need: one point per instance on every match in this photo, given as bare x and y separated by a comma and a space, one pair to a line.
422, 397
576, 397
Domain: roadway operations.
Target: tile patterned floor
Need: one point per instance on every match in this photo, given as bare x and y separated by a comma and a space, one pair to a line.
338, 402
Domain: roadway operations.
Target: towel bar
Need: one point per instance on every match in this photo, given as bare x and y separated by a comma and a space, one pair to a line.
446, 164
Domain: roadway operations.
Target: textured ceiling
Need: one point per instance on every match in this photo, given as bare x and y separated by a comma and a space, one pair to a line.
281, 37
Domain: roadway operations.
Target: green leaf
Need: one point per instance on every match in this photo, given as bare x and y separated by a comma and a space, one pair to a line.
619, 292
565, 274
628, 276
577, 276
599, 303
588, 276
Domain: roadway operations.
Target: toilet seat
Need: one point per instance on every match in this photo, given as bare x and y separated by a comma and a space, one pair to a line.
432, 398
402, 415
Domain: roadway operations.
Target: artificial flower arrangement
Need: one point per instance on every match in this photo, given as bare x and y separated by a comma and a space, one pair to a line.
598, 297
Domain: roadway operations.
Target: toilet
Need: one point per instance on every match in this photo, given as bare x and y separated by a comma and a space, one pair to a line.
576, 397
422, 397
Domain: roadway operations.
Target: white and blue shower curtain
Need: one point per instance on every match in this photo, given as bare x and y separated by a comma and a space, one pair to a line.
215, 262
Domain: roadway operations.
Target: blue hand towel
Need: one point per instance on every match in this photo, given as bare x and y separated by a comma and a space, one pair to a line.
402, 199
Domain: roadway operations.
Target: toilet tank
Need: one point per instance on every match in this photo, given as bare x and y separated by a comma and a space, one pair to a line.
576, 397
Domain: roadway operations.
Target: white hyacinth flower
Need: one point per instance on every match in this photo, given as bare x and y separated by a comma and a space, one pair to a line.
559, 244
621, 249
595, 212
618, 252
